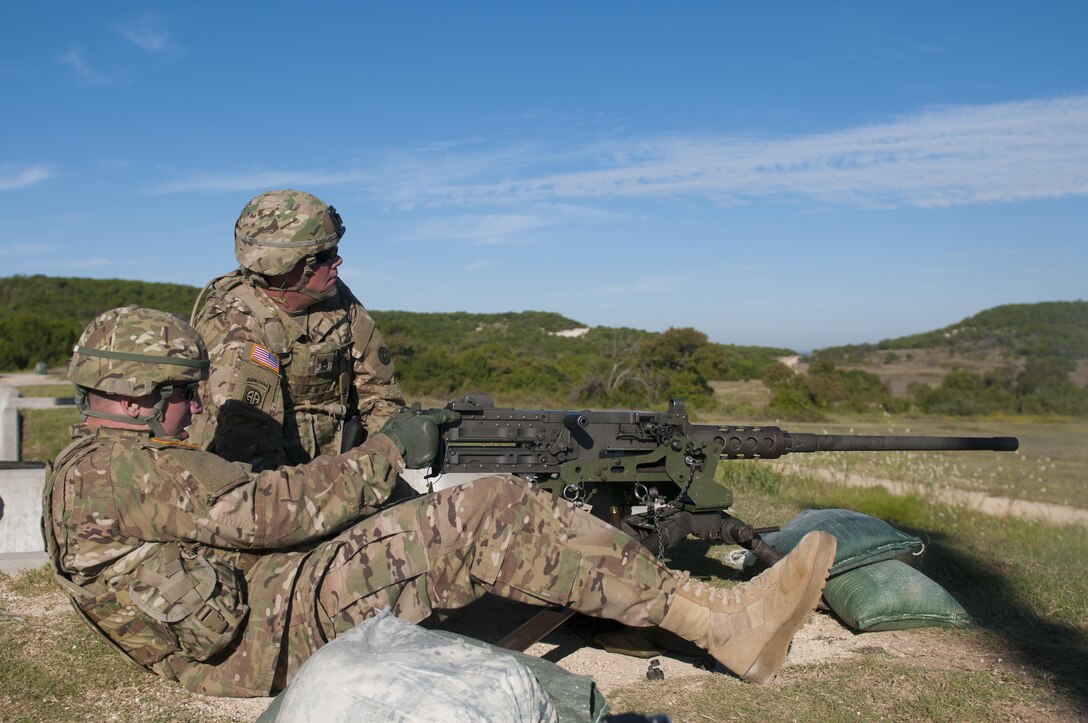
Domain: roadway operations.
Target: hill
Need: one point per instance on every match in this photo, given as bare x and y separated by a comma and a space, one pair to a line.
1056, 329
527, 356
1027, 358
80, 300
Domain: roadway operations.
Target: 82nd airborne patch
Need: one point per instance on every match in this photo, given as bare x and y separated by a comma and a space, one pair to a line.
255, 392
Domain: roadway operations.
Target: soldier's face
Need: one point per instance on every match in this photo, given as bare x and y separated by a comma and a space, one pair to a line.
179, 412
325, 273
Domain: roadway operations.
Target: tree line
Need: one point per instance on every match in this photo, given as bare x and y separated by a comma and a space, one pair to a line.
1043, 386
522, 357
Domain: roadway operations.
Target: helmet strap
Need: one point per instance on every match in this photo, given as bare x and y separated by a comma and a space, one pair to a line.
300, 287
152, 421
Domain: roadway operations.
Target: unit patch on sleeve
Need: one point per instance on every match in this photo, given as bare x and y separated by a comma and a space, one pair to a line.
259, 355
255, 392
385, 355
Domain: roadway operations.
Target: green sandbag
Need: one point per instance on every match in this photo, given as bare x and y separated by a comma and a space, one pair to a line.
891, 595
862, 539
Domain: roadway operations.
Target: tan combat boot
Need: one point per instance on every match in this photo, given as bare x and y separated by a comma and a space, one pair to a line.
748, 628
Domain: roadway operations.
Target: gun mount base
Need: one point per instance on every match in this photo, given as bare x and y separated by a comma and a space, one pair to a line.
664, 528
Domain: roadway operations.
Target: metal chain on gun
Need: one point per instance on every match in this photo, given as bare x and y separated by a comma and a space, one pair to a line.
575, 493
651, 507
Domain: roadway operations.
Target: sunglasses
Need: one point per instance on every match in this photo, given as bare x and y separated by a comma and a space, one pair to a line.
188, 390
326, 256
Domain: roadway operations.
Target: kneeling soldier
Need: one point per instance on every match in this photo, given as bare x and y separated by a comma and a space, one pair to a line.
227, 580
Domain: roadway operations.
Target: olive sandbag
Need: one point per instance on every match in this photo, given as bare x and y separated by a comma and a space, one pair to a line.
861, 539
891, 595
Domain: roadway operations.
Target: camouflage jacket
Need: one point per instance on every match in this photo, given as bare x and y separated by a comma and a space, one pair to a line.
282, 384
166, 549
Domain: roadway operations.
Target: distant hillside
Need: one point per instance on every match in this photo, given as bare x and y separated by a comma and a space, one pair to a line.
529, 355
1057, 329
81, 300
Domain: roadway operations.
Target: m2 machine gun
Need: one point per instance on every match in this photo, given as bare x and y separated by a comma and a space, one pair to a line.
614, 461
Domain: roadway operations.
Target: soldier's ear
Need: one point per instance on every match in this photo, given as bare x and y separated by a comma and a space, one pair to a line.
130, 407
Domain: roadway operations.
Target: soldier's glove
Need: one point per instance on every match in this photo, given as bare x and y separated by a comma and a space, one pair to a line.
416, 433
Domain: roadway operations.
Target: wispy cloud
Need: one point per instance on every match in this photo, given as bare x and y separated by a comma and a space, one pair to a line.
14, 176
75, 60
493, 229
478, 229
147, 33
945, 156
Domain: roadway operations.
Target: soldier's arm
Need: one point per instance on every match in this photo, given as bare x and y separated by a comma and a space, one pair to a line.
378, 393
195, 496
243, 397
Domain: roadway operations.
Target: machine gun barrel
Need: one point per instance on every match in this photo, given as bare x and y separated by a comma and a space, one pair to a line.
772, 442
796, 442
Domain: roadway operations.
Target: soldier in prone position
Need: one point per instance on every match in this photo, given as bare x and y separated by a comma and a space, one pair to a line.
299, 368
227, 579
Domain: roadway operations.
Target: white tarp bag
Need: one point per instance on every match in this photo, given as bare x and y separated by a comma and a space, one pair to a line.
390, 671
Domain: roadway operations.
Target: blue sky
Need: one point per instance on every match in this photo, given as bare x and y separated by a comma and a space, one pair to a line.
792, 174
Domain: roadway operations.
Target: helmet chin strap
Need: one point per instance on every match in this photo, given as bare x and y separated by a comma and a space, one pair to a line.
300, 287
152, 421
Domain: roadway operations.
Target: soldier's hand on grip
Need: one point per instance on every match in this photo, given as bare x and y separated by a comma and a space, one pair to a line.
416, 433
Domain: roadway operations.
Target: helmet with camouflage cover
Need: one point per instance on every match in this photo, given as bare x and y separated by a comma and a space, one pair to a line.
133, 352
277, 229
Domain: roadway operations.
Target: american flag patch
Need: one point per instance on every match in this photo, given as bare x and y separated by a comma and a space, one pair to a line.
259, 355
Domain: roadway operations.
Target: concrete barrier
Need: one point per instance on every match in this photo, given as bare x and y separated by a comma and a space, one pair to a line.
21, 486
11, 403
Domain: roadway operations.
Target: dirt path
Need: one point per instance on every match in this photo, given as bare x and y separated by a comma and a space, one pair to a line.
980, 501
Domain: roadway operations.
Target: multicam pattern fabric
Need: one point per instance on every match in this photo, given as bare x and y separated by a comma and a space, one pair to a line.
120, 351
277, 229
120, 503
332, 367
171, 551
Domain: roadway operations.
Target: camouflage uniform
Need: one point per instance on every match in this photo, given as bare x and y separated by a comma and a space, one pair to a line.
282, 384
227, 580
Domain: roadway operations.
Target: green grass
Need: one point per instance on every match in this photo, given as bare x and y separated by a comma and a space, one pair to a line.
1025, 582
55, 668
1049, 466
45, 432
872, 688
63, 389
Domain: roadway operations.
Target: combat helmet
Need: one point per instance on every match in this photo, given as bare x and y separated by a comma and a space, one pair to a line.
133, 352
277, 229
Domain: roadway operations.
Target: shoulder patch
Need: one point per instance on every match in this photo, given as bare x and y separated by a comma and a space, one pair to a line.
264, 357
173, 443
385, 355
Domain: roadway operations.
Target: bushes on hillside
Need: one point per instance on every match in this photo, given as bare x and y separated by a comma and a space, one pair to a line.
825, 388
26, 339
1043, 387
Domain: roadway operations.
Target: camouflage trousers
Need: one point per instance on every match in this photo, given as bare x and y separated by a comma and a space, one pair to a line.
495, 535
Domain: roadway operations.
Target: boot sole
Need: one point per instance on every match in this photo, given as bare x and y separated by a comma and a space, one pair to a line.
773, 655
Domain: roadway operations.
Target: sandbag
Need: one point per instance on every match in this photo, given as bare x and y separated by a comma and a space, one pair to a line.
891, 595
862, 539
